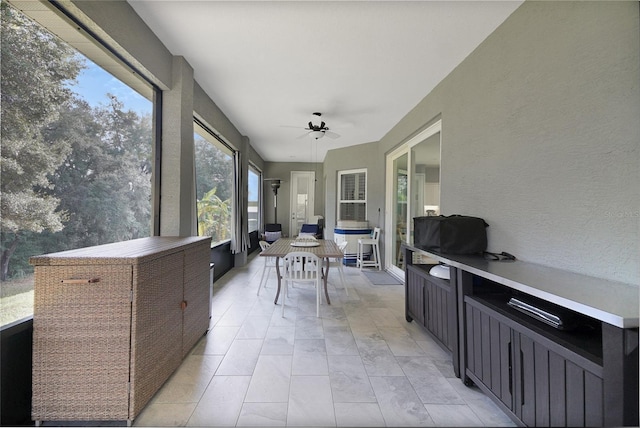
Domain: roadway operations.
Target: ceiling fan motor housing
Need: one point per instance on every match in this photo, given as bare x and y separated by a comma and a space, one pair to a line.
312, 126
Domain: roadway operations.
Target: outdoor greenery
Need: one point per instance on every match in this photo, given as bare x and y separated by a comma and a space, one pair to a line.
72, 175
214, 188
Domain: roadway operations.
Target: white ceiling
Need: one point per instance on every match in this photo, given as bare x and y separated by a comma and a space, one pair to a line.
363, 64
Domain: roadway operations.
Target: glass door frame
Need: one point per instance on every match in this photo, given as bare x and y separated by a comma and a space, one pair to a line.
390, 203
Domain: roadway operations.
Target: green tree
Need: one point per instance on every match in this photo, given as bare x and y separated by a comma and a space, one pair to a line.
37, 70
214, 217
104, 184
214, 168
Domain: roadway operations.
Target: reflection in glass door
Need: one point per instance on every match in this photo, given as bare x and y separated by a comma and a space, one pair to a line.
399, 218
413, 190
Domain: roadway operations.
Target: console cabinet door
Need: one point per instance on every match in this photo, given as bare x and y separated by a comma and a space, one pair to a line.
489, 353
414, 296
437, 310
542, 385
552, 390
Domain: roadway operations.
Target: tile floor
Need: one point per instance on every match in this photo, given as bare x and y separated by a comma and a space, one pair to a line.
360, 364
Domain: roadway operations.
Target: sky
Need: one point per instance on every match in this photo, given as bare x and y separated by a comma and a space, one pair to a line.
94, 83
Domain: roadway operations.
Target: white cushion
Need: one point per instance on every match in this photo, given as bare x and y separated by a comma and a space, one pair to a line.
272, 236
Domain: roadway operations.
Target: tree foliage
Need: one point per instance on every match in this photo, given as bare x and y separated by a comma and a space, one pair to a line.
36, 70
214, 168
214, 216
72, 175
214, 188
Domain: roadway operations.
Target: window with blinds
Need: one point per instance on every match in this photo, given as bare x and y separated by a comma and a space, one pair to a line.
352, 195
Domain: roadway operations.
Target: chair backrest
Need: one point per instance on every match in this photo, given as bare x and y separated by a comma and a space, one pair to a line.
301, 266
376, 233
343, 245
273, 227
310, 228
264, 245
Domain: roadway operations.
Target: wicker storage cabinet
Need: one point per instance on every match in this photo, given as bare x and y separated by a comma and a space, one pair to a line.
112, 322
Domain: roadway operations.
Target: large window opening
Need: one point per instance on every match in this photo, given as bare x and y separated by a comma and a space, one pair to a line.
76, 154
254, 205
214, 185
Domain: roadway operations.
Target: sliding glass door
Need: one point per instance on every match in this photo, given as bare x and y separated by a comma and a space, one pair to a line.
413, 190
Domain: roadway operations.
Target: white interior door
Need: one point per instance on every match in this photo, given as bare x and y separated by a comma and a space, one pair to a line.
302, 199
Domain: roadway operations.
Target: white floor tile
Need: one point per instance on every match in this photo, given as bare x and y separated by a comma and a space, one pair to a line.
217, 341
456, 415
263, 414
221, 403
165, 415
399, 404
241, 358
359, 364
358, 415
349, 380
310, 402
279, 340
309, 357
270, 380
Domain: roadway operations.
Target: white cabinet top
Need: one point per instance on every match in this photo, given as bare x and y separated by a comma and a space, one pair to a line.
126, 252
612, 302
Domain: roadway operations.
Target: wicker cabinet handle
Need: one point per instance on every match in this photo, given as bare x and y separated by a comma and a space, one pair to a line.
80, 280
183, 305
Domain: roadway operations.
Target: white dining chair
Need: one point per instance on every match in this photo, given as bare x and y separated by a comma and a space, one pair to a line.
337, 262
304, 267
269, 263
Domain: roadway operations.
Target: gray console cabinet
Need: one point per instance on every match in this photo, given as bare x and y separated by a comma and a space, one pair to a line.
539, 375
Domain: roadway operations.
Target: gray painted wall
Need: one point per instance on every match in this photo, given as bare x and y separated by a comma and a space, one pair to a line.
361, 156
540, 136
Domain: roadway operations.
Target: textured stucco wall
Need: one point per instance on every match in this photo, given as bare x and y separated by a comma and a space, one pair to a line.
541, 137
355, 157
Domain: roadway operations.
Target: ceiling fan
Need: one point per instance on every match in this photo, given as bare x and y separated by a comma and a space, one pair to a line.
318, 129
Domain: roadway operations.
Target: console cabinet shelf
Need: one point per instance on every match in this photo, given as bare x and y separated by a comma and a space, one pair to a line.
111, 323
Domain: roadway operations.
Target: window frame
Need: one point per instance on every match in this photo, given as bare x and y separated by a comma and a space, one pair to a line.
205, 132
253, 169
56, 19
341, 201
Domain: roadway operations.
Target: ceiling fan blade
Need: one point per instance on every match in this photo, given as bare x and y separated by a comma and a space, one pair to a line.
331, 134
303, 135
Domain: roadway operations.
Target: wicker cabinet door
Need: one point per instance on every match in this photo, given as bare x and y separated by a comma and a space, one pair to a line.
157, 326
81, 334
196, 295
